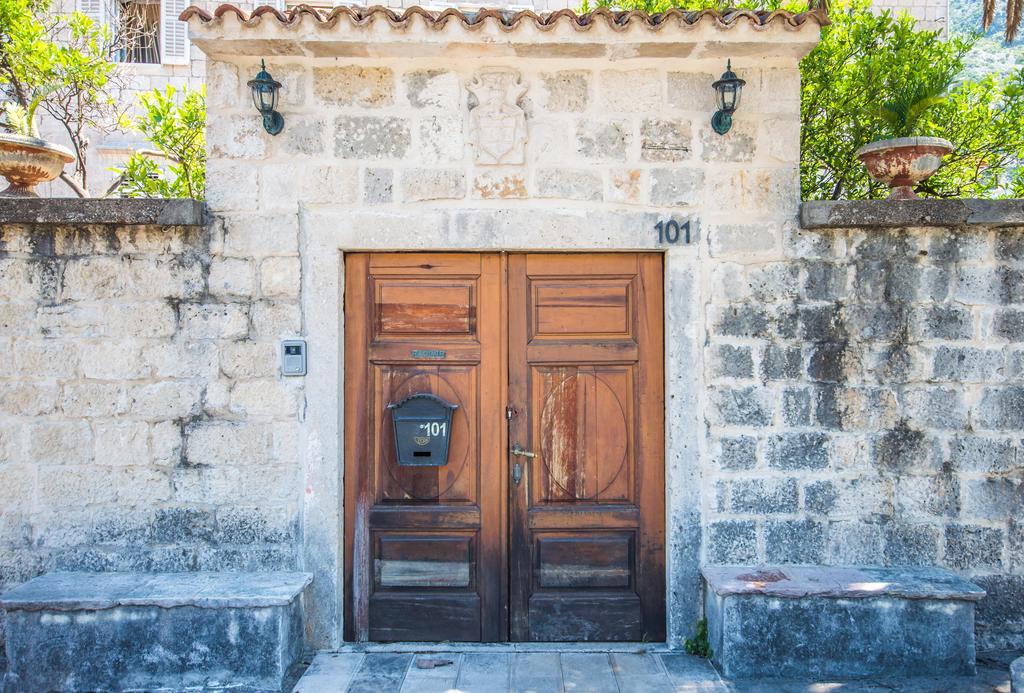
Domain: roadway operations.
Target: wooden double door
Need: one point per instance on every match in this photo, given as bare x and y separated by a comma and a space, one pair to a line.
546, 520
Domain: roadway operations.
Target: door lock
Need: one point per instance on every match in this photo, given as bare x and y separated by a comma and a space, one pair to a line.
517, 473
518, 451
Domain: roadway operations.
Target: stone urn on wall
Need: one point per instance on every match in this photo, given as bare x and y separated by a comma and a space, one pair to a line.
903, 162
28, 161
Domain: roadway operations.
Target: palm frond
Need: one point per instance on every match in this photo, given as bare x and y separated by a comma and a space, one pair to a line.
1013, 13
988, 13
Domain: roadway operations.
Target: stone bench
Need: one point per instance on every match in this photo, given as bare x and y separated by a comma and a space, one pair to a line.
808, 622
131, 631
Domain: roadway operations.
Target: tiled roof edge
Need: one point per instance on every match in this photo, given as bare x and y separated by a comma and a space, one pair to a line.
508, 20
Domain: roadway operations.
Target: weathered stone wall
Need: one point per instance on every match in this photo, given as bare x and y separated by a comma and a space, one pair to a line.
866, 405
142, 422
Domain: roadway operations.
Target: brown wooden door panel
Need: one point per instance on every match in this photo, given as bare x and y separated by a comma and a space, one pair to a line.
427, 552
458, 552
587, 523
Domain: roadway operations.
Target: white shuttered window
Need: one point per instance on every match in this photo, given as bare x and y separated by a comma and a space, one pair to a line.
173, 33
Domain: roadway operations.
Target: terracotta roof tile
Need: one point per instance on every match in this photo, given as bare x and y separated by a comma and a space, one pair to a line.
509, 20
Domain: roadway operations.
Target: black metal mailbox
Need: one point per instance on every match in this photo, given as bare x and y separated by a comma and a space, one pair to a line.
423, 427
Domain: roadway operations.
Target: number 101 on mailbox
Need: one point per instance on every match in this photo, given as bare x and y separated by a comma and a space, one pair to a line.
422, 425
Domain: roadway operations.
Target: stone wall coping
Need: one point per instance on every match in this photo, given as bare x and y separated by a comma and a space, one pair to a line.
73, 211
794, 582
75, 591
845, 214
1017, 675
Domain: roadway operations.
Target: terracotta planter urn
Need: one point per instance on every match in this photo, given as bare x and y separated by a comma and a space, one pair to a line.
904, 162
28, 161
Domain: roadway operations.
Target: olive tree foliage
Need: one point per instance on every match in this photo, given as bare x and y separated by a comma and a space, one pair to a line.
61, 65
175, 125
874, 77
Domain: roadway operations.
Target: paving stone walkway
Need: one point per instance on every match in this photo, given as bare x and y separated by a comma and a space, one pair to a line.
640, 671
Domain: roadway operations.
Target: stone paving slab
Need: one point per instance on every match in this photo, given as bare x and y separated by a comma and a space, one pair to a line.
501, 669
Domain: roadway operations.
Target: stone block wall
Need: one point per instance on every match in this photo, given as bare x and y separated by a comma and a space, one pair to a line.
143, 425
866, 406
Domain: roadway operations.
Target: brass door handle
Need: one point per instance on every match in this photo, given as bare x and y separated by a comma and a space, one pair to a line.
519, 452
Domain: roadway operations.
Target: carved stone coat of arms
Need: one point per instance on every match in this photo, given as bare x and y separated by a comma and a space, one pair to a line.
497, 123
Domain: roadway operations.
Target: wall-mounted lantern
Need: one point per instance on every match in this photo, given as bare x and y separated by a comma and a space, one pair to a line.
727, 96
264, 96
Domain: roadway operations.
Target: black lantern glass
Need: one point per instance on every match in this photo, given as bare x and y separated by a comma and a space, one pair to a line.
264, 97
727, 96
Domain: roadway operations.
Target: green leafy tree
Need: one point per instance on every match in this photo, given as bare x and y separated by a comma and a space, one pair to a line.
176, 128
61, 65
867, 59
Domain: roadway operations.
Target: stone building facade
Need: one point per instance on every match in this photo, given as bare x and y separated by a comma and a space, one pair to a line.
841, 391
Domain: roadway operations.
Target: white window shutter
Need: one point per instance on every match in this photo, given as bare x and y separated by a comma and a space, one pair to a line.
173, 33
96, 10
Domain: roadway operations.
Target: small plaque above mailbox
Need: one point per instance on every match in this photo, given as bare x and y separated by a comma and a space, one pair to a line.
423, 427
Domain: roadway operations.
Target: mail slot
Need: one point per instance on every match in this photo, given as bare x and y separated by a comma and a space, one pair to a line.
423, 427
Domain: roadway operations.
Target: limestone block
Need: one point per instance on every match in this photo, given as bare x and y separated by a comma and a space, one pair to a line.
378, 186
261, 234
282, 185
223, 87
627, 185
237, 137
433, 89
219, 443
165, 401
745, 241
64, 486
441, 139
569, 184
231, 277
371, 137
1000, 408
280, 277
214, 320
20, 280
121, 443
665, 140
181, 359
420, 184
692, 91
264, 398
59, 442
761, 191
762, 496
304, 136
165, 442
143, 319
974, 547
732, 542
993, 499
208, 485
737, 145
604, 140
676, 187
217, 398
94, 278
565, 91
231, 184
354, 85
141, 486
111, 360
87, 399
631, 91
242, 628
47, 359
277, 318
549, 140
491, 184
294, 81
821, 622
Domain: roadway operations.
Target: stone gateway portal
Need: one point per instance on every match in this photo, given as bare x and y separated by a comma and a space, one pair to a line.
546, 521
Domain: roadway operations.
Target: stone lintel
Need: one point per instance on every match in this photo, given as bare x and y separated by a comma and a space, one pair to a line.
212, 590
795, 582
73, 211
845, 214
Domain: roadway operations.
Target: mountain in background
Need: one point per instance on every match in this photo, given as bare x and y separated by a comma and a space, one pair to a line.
990, 54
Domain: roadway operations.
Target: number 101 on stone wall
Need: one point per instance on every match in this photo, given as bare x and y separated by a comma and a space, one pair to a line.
672, 232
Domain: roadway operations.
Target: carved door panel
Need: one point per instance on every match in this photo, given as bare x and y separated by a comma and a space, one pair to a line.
426, 543
587, 517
